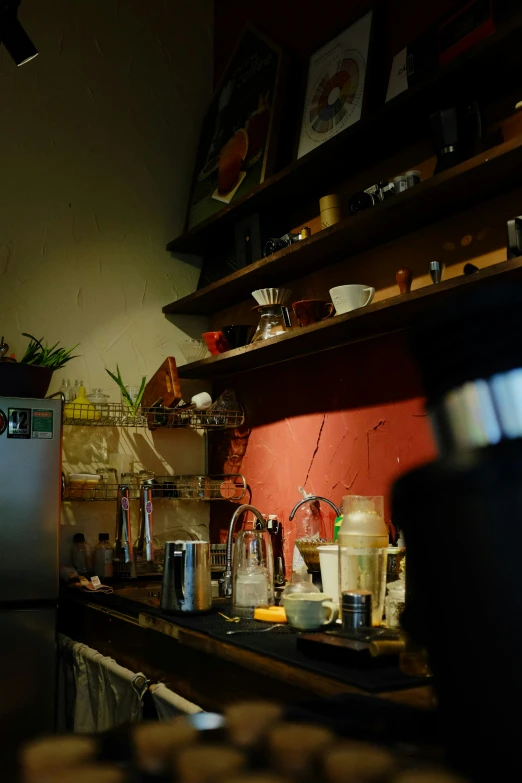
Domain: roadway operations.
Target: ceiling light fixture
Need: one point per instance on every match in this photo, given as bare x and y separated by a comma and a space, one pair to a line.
13, 35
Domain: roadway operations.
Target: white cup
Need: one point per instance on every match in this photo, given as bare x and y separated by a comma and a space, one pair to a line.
351, 297
329, 563
202, 401
309, 611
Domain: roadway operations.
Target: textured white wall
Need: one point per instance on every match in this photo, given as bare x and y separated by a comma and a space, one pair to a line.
98, 140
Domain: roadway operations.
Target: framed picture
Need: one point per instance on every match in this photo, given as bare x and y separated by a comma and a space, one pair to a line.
335, 87
413, 64
236, 149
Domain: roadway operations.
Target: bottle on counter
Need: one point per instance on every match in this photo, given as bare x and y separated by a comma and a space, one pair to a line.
308, 525
81, 554
363, 549
103, 554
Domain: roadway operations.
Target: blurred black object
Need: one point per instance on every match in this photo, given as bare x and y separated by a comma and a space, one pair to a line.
514, 237
470, 269
278, 243
238, 334
456, 133
461, 518
370, 197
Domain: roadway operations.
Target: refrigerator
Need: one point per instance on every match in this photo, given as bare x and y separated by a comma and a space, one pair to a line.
30, 496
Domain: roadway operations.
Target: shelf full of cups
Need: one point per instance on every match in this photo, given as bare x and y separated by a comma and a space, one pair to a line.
275, 318
98, 486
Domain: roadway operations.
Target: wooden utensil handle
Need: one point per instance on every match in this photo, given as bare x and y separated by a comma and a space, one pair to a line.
404, 278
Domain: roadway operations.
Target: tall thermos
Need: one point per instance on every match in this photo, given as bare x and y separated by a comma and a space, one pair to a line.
363, 549
186, 577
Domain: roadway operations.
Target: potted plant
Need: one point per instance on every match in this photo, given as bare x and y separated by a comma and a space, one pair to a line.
31, 376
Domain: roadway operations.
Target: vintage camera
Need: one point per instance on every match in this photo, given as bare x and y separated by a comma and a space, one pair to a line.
278, 243
370, 197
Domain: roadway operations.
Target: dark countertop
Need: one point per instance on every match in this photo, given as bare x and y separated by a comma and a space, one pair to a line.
274, 654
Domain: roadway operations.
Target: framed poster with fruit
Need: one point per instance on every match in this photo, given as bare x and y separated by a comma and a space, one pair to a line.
236, 149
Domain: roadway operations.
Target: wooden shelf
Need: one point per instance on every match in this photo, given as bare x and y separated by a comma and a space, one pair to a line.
389, 315
471, 182
490, 68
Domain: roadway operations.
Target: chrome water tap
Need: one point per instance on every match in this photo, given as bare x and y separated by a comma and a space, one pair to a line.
311, 500
225, 582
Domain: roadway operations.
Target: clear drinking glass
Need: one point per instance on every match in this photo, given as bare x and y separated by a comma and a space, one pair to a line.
132, 415
365, 569
253, 572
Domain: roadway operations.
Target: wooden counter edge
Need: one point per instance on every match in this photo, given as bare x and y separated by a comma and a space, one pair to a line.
316, 684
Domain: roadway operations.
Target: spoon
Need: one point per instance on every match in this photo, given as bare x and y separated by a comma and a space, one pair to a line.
256, 630
229, 619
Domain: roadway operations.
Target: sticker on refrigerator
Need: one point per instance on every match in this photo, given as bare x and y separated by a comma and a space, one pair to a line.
19, 423
42, 423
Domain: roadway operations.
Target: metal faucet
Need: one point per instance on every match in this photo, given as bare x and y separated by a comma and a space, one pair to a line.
311, 500
226, 580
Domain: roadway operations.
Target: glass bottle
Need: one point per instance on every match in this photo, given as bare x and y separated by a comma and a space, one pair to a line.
81, 554
66, 390
103, 554
363, 549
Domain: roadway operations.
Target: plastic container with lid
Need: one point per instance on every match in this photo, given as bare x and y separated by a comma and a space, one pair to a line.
103, 554
81, 554
400, 183
363, 549
413, 177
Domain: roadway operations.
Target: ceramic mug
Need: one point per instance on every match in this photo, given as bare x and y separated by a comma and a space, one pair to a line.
351, 297
310, 311
216, 342
309, 611
238, 334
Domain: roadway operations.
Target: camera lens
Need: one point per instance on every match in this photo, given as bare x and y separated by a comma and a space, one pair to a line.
274, 244
360, 201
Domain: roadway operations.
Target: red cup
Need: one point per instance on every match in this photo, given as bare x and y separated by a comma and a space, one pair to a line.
216, 342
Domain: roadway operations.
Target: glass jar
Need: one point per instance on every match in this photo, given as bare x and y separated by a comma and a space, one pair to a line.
253, 572
101, 401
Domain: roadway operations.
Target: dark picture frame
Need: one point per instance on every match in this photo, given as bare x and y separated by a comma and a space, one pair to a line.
238, 141
337, 84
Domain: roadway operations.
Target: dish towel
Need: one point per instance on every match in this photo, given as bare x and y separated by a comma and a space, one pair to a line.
169, 704
106, 694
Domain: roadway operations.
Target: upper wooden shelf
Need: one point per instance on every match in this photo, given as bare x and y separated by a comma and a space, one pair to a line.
389, 315
473, 181
488, 69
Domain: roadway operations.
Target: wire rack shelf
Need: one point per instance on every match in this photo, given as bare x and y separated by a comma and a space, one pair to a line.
118, 415
228, 486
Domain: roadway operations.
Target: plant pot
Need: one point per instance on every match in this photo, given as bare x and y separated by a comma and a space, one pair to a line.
24, 380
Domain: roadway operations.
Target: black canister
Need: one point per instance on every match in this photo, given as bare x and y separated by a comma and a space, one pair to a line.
356, 609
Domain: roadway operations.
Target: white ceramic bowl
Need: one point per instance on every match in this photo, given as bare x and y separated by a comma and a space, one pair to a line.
194, 350
267, 296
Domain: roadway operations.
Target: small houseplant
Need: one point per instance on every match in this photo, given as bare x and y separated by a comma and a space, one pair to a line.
31, 376
133, 403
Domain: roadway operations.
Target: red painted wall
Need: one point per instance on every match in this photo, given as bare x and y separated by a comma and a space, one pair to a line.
349, 420
346, 421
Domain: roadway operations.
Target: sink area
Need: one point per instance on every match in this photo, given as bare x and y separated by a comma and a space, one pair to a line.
148, 594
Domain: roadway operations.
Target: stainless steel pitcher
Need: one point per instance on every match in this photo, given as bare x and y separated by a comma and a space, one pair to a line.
186, 577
